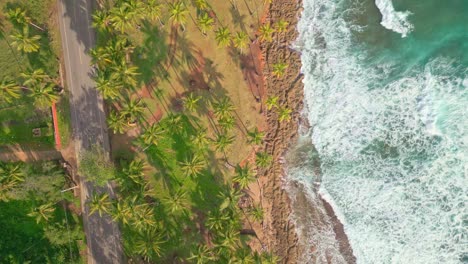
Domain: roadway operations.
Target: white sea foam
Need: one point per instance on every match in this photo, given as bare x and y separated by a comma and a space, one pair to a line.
394, 20
394, 157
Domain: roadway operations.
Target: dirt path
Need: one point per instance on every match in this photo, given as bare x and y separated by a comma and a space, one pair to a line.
30, 155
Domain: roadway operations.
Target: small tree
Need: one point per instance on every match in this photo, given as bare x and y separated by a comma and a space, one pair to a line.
96, 166
279, 69
263, 159
243, 176
222, 142
272, 102
257, 213
284, 114
266, 33
255, 136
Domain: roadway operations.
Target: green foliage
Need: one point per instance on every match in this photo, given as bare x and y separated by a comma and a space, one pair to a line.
96, 167
263, 159
34, 228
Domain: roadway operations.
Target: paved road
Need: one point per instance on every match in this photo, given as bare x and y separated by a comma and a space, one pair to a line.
88, 122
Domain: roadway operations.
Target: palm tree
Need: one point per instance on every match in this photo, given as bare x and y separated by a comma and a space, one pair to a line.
149, 243
153, 11
100, 203
12, 172
269, 258
257, 213
108, 88
177, 202
255, 136
217, 221
25, 43
18, 17
32, 77
229, 197
117, 122
101, 20
192, 166
191, 102
122, 19
243, 256
125, 73
205, 22
44, 94
43, 213
263, 159
134, 171
279, 69
201, 255
122, 213
133, 110
223, 108
178, 13
144, 217
284, 114
281, 26
271, 102
266, 33
201, 5
223, 141
226, 122
243, 176
229, 239
241, 41
152, 134
174, 123
223, 36
9, 90
199, 139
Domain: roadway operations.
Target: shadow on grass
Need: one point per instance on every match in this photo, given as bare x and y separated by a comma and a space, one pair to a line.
150, 56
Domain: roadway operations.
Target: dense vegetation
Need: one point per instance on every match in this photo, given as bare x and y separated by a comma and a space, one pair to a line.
178, 194
29, 76
37, 225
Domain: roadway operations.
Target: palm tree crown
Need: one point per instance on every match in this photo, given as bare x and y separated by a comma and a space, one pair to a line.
223, 36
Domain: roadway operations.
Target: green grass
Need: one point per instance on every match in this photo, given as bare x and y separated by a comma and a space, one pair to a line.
18, 119
64, 122
17, 123
23, 239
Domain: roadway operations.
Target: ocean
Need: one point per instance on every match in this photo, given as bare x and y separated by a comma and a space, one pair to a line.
387, 102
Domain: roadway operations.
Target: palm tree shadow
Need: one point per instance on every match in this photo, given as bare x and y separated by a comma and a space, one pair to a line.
237, 18
150, 56
187, 52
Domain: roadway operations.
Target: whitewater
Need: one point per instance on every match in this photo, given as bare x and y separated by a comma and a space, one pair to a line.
386, 98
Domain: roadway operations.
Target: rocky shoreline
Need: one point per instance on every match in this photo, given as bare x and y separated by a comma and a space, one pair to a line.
277, 232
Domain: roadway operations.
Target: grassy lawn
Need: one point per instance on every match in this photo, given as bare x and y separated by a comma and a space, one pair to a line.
19, 118
17, 124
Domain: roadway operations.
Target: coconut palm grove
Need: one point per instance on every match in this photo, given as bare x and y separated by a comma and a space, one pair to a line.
184, 103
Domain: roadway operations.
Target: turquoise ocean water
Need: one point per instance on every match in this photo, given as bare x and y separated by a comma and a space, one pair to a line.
386, 95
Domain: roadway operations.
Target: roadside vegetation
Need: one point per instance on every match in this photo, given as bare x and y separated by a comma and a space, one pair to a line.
39, 223
29, 74
181, 166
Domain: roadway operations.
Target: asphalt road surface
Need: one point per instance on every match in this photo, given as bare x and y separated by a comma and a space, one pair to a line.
88, 122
